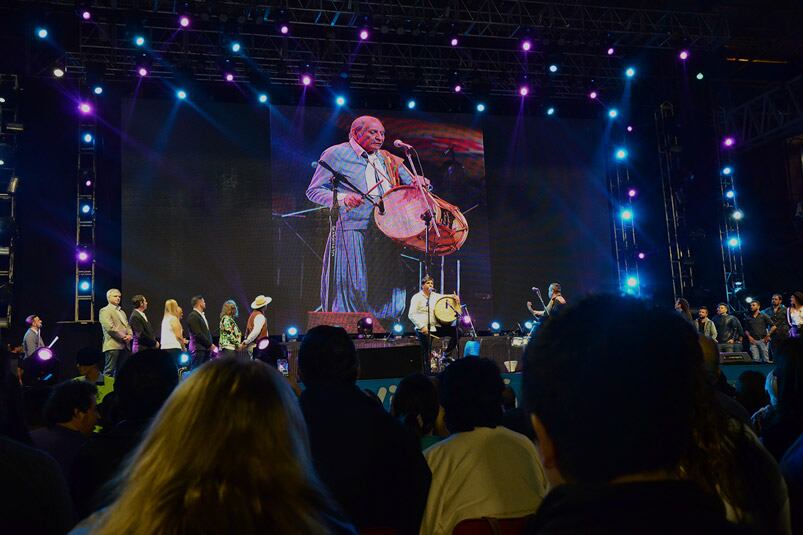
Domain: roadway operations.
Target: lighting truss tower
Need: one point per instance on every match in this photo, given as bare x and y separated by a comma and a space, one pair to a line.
85, 215
624, 229
10, 129
730, 240
681, 260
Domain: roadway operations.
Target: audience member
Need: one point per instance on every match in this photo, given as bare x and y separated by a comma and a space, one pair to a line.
482, 469
71, 415
143, 385
613, 417
142, 330
784, 423
750, 391
88, 361
373, 467
760, 416
247, 472
682, 307
415, 405
724, 393
33, 491
792, 469
202, 346
33, 405
117, 333
514, 417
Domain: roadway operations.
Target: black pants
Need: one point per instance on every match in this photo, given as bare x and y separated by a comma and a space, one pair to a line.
440, 331
199, 357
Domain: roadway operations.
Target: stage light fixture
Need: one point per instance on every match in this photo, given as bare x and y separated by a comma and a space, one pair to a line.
524, 91
553, 68
263, 98
184, 358
184, 21
86, 209
181, 94
593, 95
620, 154
727, 170
2, 162
684, 55
550, 111
86, 15
263, 343
411, 104
88, 183
87, 138
236, 46
454, 41
229, 77
700, 76
41, 33
44, 353
737, 215
626, 214
306, 80
143, 72
611, 51
292, 331
340, 100
363, 34
631, 281
83, 256
496, 326
733, 241
730, 194
98, 90
630, 72
729, 142
84, 285
85, 108
749, 299
613, 113
641, 255
480, 107
632, 192
284, 29
365, 327
398, 328
466, 319
629, 128
528, 325
58, 72
139, 40
526, 45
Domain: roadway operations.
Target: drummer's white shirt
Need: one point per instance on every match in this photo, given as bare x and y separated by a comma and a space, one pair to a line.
418, 309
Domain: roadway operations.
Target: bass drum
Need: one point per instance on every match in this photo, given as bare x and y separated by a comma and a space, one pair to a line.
402, 222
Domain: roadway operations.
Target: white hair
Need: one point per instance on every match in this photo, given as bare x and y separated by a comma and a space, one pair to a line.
359, 123
110, 291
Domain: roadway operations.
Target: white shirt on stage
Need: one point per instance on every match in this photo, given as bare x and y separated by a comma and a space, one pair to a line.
487, 472
418, 310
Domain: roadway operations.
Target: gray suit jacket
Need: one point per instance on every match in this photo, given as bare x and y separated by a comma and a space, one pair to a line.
115, 327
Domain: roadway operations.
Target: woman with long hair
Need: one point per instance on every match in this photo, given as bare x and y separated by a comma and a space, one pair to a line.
682, 306
231, 338
415, 404
794, 315
172, 339
227, 453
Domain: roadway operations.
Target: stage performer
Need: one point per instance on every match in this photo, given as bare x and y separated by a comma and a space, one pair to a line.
422, 314
257, 326
368, 274
143, 335
556, 302
201, 343
117, 333
33, 336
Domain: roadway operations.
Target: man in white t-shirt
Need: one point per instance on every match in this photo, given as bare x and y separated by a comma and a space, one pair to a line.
482, 469
422, 314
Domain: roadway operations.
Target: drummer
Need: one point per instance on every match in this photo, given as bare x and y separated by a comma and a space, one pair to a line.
422, 314
367, 275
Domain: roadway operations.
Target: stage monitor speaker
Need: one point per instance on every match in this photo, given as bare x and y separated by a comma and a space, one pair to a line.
389, 362
347, 320
737, 357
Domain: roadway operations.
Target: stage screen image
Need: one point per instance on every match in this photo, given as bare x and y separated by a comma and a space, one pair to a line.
373, 272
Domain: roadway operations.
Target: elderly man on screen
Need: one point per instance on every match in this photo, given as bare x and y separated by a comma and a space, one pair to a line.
367, 274
117, 333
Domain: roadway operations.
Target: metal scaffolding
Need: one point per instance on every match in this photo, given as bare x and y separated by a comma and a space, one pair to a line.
624, 230
10, 128
86, 175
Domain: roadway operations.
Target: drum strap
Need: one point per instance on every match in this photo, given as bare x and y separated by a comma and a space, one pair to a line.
392, 164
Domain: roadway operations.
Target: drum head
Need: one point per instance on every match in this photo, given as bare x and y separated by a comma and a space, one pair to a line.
446, 310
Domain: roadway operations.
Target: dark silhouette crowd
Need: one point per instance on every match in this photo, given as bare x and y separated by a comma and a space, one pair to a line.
633, 430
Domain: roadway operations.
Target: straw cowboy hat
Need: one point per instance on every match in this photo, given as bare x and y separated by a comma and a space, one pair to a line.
261, 301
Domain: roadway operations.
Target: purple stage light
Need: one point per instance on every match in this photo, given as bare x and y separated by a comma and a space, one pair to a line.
284, 29
229, 77
369, 321
184, 21
363, 34
684, 55
466, 319
524, 91
143, 72
83, 256
85, 108
642, 256
458, 88
263, 344
629, 128
86, 15
454, 41
306, 79
592, 95
631, 192
88, 183
44, 353
611, 51
526, 45
729, 141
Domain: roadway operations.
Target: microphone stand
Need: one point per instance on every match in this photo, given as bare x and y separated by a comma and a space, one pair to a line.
334, 215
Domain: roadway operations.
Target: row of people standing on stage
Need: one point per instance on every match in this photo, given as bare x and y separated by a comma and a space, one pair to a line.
123, 335
760, 330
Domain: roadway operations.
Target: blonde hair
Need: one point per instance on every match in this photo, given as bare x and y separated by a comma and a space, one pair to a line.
172, 308
227, 453
229, 309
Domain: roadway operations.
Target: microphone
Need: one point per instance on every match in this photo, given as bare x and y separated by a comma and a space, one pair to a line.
535, 289
399, 144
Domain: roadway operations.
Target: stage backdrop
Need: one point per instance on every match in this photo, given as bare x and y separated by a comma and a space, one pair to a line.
211, 191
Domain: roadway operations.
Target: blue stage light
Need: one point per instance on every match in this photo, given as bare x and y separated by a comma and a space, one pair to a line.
626, 214
631, 281
553, 68
630, 72
612, 113
528, 325
292, 331
86, 208
263, 98
496, 326
98, 90
733, 242
727, 170
235, 46
41, 33
84, 285
550, 111
398, 328
87, 138
730, 194
620, 154
700, 76
737, 215
139, 40
411, 104
184, 358
480, 107
340, 100
181, 94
